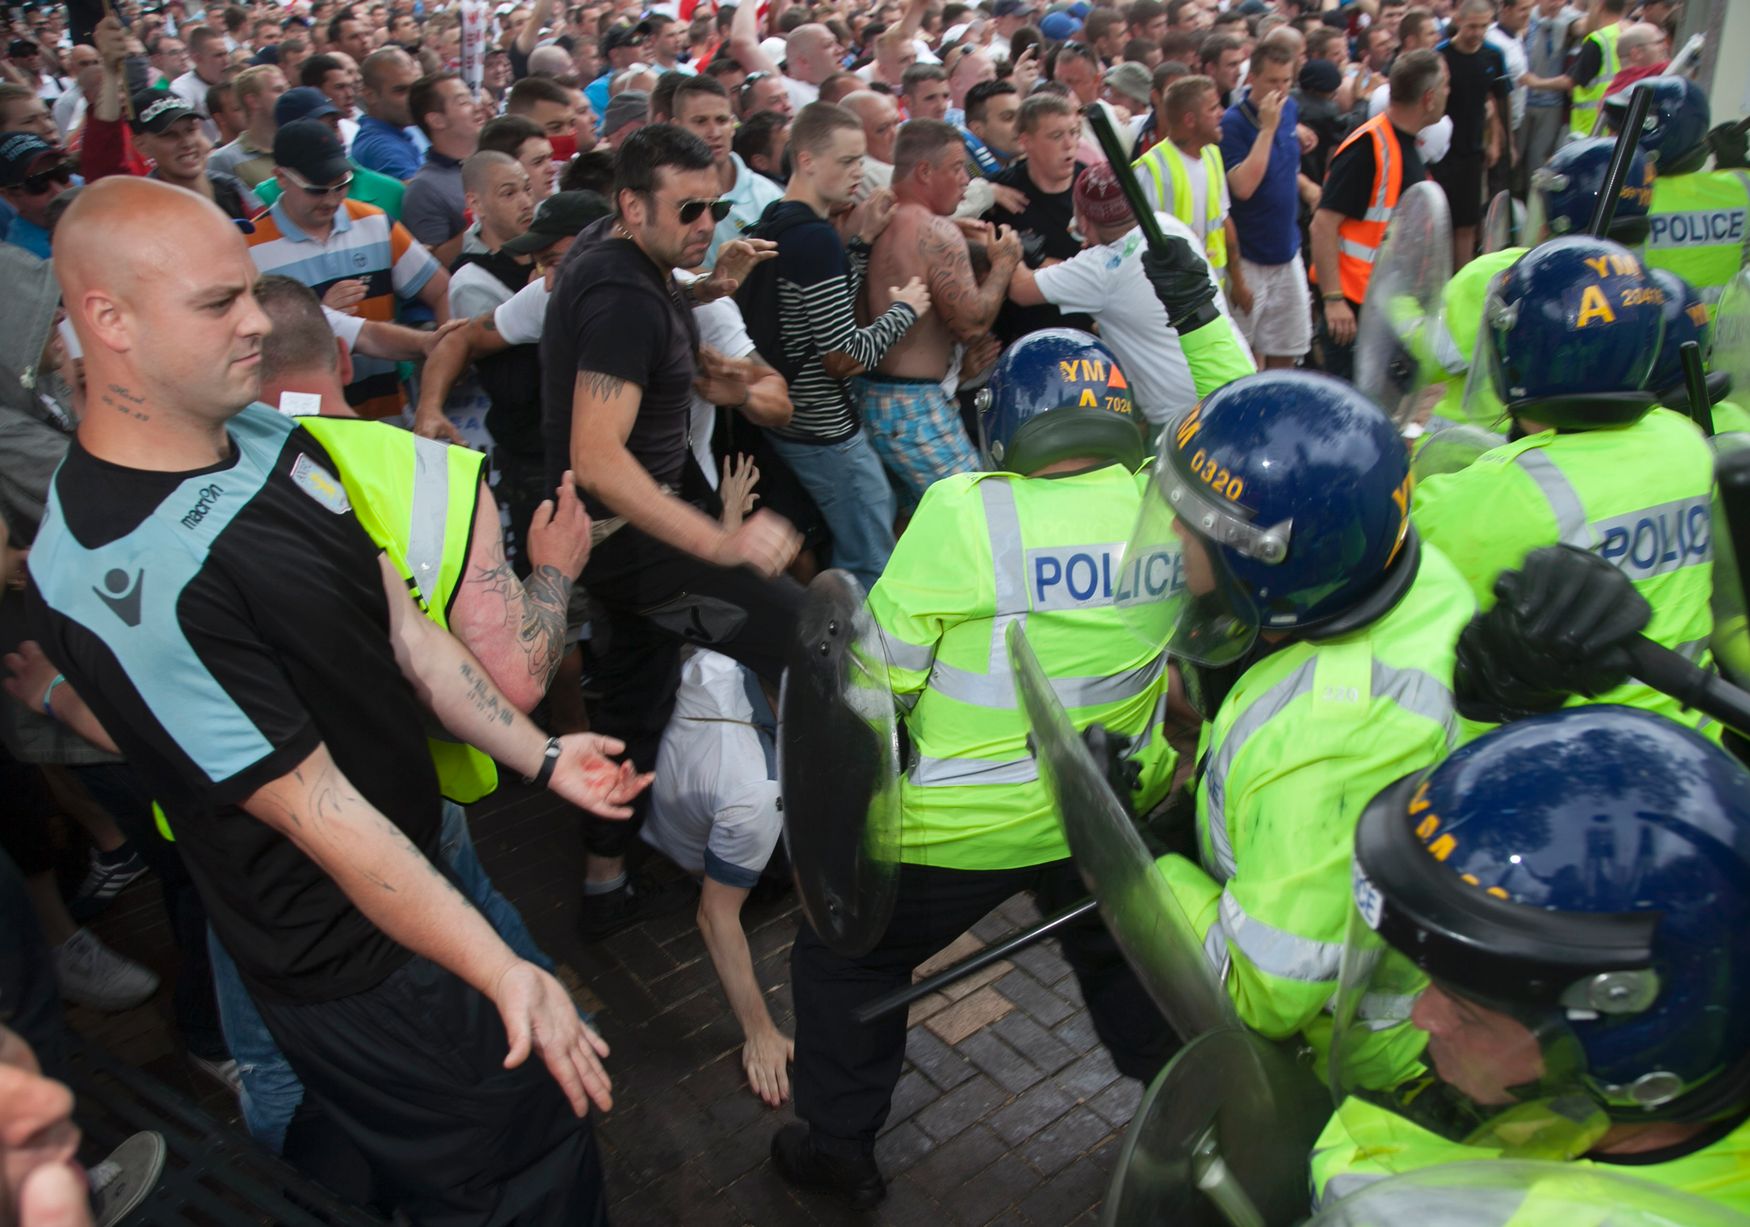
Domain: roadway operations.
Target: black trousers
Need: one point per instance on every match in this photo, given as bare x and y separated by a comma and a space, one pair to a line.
652, 599
412, 1072
845, 1072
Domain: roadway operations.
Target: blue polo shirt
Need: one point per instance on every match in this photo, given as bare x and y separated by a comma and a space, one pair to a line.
1268, 223
383, 147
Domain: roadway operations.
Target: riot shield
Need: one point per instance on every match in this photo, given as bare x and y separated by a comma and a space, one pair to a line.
1400, 330
1489, 1193
1451, 448
1117, 867
1221, 1139
1502, 224
1729, 340
838, 767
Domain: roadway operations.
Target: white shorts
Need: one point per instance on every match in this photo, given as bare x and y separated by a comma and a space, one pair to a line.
1279, 325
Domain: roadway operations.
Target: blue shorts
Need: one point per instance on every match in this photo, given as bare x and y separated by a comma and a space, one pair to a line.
916, 431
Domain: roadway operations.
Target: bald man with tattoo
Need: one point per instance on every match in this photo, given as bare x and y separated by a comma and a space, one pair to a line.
203, 579
906, 408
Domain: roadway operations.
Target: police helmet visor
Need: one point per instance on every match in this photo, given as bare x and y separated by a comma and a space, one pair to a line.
1485, 382
1174, 590
1542, 222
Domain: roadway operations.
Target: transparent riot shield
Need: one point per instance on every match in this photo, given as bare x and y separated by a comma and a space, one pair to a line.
838, 767
1221, 1139
1502, 224
1399, 333
1500, 1193
1120, 872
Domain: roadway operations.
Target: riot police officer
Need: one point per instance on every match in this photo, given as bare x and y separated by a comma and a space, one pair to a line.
1571, 333
1557, 918
1035, 539
1276, 559
1700, 219
1687, 319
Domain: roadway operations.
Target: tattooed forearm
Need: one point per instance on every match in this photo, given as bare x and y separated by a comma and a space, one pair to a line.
484, 695
546, 595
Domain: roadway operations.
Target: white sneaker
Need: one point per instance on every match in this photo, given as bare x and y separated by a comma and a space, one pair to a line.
219, 1071
121, 1182
92, 974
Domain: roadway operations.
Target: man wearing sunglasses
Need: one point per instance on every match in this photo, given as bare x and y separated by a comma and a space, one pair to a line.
32, 173
350, 253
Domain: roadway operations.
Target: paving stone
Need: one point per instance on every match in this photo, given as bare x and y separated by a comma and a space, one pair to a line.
1034, 1042
734, 1152
924, 1007
907, 1205
1077, 1032
1041, 1004
1042, 961
981, 1198
1006, 1067
764, 1199
646, 960
960, 1107
1027, 1114
977, 980
954, 1162
964, 946
901, 1146
1068, 1194
913, 1094
1064, 1141
940, 1063
1117, 1104
1088, 1076
964, 1017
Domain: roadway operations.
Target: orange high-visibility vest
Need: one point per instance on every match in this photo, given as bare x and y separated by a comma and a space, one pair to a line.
1358, 238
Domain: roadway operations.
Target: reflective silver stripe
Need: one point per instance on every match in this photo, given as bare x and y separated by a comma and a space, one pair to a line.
1445, 348
1383, 1011
1376, 214
1692, 651
1274, 952
929, 772
996, 689
1382, 150
903, 655
1411, 689
1360, 251
1260, 712
1564, 501
429, 515
1339, 1187
1420, 693
1215, 950
1002, 521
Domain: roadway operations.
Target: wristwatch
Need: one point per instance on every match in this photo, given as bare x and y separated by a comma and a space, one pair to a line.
549, 759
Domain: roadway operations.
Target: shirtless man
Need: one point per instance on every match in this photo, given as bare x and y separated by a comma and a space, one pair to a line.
915, 425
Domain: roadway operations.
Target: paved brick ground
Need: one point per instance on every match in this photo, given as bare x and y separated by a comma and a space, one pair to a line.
1008, 1111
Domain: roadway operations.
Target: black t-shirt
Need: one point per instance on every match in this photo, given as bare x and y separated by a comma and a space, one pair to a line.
512, 379
1349, 182
221, 624
1474, 78
615, 312
1044, 230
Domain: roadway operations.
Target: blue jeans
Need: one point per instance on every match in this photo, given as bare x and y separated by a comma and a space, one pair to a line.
847, 483
271, 1090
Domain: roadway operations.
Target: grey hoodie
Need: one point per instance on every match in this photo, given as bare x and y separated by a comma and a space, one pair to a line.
36, 425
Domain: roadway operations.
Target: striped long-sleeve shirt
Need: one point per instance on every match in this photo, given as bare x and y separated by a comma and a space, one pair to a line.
818, 280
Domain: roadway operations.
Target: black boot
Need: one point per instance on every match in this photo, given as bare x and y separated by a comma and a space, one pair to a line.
858, 1181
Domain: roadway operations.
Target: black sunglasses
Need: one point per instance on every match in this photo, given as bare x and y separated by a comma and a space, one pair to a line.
691, 210
747, 82
39, 183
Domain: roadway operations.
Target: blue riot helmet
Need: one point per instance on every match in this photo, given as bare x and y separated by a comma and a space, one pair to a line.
1686, 319
1555, 924
1675, 136
1565, 191
1572, 330
1278, 503
1057, 394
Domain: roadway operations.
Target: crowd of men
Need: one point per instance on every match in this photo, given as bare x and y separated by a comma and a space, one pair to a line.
376, 375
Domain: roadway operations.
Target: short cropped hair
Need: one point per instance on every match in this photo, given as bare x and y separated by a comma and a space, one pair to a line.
815, 124
301, 339
921, 141
1414, 74
1037, 107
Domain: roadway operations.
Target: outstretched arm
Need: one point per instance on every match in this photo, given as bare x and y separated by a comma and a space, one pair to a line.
766, 1051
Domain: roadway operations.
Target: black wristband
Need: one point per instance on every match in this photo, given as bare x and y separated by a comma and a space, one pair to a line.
549, 759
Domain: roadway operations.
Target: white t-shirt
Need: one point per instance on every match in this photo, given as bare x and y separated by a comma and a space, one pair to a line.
1432, 142
520, 320
1512, 48
1107, 282
714, 807
722, 328
1194, 174
474, 291
801, 93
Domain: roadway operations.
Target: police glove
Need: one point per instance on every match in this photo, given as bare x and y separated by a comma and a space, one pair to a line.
1181, 281
1561, 625
1731, 145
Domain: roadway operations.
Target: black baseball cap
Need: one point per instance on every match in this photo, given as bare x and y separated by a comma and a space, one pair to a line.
303, 102
624, 36
311, 150
562, 215
156, 109
24, 153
